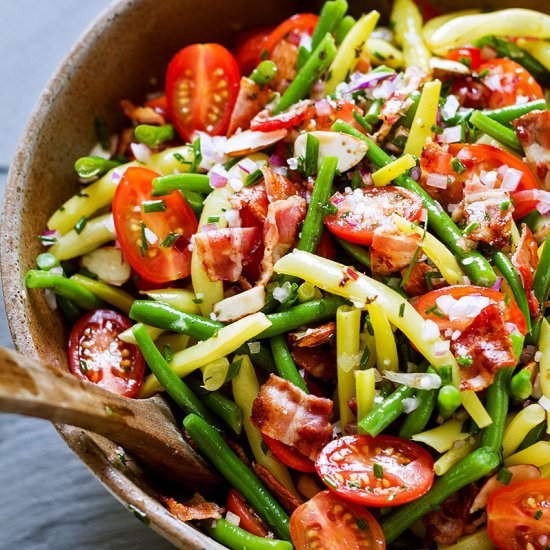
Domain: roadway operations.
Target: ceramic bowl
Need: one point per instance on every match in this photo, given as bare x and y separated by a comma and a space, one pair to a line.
123, 53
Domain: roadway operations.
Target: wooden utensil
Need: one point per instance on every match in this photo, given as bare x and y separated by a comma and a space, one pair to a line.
145, 428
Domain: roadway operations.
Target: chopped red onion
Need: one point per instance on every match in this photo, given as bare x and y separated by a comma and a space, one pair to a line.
323, 108
385, 89
415, 173
49, 295
511, 179
217, 180
488, 178
360, 81
543, 208
492, 82
247, 166
437, 180
337, 199
276, 160
453, 134
497, 284
450, 108
294, 38
209, 227
141, 152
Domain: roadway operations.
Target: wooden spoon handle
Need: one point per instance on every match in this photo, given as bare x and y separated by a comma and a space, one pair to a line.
145, 428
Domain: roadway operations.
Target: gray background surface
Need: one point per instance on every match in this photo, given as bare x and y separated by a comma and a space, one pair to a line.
49, 500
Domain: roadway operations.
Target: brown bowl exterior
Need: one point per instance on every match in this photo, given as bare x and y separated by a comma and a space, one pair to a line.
122, 55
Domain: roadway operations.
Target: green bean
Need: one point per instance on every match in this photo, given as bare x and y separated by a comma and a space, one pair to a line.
154, 135
166, 317
94, 167
195, 200
417, 420
476, 465
496, 403
330, 17
236, 538
314, 67
512, 276
386, 412
211, 443
178, 390
312, 155
357, 252
302, 314
64, 287
313, 224
474, 264
535, 435
46, 261
104, 291
494, 129
284, 362
344, 27
521, 386
407, 120
70, 311
219, 404
448, 400
511, 112
371, 116
264, 72
262, 358
541, 286
199, 183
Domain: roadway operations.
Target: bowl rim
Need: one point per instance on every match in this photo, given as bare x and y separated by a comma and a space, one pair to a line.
83, 443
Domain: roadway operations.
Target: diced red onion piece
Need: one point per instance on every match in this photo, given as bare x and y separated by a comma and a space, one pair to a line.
543, 207
209, 227
217, 180
247, 166
453, 134
141, 152
323, 107
276, 160
511, 179
497, 284
360, 81
437, 180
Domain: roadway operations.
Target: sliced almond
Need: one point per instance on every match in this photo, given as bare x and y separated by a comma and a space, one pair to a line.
447, 67
109, 264
248, 142
238, 306
348, 149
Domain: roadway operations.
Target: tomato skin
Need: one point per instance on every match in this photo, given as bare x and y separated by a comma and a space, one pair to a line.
406, 466
93, 341
204, 99
249, 520
512, 511
299, 23
473, 54
289, 456
338, 109
326, 247
512, 313
159, 105
249, 46
156, 264
327, 522
403, 202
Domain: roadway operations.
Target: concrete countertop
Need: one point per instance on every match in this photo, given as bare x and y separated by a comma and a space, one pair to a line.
50, 501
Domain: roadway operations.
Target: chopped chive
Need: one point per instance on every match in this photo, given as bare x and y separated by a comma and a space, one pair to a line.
181, 159
144, 246
409, 269
80, 225
364, 358
445, 373
362, 122
47, 239
457, 165
213, 219
197, 300
330, 209
471, 227
504, 206
402, 309
465, 61
152, 136
379, 56
108, 410
356, 180
435, 310
312, 155
234, 369
538, 514
378, 471
168, 354
231, 162
464, 361
197, 155
483, 73
253, 178
504, 476
330, 482
429, 276
153, 206
82, 195
437, 129
265, 448
170, 239
83, 366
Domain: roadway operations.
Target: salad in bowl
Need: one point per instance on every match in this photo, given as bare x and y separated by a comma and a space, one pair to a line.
326, 247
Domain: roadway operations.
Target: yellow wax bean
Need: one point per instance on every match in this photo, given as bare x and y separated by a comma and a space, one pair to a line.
381, 52
386, 348
179, 298
349, 51
348, 323
539, 49
442, 437
537, 454
128, 335
454, 455
524, 421
388, 173
434, 24
544, 363
474, 407
110, 294
424, 119
215, 373
365, 381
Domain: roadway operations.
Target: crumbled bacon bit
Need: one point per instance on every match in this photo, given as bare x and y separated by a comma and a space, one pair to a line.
416, 284
487, 343
279, 187
392, 250
288, 500
525, 259
319, 362
194, 509
286, 413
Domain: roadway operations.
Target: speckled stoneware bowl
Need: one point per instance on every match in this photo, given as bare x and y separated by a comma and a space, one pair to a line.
119, 56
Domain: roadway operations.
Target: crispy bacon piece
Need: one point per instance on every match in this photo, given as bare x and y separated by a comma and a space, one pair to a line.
286, 413
251, 99
141, 115
486, 342
319, 362
391, 250
398, 103
196, 508
281, 228
253, 200
416, 285
287, 500
223, 252
483, 206
312, 337
279, 187
525, 259
533, 131
285, 55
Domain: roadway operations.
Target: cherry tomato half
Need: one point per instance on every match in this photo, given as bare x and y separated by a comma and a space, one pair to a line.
289, 456
428, 308
156, 243
291, 29
376, 471
97, 355
518, 516
363, 210
250, 521
249, 46
468, 56
328, 521
202, 83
